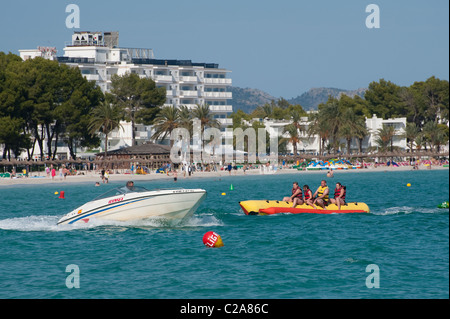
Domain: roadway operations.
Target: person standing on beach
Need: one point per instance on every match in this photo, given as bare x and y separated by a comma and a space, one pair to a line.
53, 173
322, 195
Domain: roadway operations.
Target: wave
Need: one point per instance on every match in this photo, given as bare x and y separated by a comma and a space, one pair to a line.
48, 223
408, 210
31, 223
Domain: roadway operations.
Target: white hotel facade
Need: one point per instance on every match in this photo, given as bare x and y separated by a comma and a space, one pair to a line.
99, 57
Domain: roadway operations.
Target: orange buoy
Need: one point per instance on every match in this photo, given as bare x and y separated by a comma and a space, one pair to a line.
61, 195
212, 239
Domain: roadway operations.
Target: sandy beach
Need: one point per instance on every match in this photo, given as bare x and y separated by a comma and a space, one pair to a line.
94, 176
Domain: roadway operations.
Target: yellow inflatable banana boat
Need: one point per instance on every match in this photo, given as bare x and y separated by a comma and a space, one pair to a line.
270, 207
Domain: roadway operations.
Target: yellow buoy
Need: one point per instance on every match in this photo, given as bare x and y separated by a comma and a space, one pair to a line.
223, 194
409, 185
56, 193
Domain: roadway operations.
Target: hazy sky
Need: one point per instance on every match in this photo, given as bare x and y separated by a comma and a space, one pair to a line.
283, 47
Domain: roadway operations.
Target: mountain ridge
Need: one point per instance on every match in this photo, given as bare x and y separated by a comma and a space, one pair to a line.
248, 99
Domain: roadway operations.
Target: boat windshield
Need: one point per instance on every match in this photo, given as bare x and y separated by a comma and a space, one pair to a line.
121, 191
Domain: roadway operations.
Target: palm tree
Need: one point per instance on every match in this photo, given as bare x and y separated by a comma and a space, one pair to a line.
203, 113
361, 131
385, 136
165, 122
318, 126
331, 118
294, 136
105, 118
347, 129
185, 118
435, 134
420, 141
411, 133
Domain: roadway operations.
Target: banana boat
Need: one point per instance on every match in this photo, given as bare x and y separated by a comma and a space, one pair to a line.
270, 207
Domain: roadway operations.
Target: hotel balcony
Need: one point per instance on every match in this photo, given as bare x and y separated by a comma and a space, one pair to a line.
184, 93
188, 79
163, 78
221, 108
225, 122
92, 77
223, 95
224, 81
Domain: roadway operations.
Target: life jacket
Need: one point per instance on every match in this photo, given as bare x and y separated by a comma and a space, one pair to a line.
299, 195
337, 192
308, 194
321, 191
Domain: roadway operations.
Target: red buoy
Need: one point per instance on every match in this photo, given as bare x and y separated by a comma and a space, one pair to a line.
212, 239
61, 195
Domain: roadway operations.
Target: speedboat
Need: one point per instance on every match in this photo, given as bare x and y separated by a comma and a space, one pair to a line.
137, 203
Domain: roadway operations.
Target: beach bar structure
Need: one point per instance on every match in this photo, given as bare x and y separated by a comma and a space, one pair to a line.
150, 155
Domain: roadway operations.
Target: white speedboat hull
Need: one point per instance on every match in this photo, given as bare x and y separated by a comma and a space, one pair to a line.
168, 204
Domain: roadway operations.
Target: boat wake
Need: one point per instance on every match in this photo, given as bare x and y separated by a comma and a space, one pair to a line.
47, 223
404, 210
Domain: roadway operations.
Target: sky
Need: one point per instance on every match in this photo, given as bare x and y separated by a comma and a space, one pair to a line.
283, 47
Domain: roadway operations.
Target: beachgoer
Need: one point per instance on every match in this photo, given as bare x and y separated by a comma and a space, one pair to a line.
339, 195
330, 173
175, 175
97, 184
53, 173
106, 177
297, 197
103, 175
229, 168
322, 195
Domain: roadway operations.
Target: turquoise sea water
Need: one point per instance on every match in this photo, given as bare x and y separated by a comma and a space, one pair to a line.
264, 257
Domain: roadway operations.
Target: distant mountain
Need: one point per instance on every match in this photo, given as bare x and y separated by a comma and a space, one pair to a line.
311, 99
247, 99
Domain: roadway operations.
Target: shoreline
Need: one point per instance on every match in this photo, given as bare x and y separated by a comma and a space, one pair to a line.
93, 177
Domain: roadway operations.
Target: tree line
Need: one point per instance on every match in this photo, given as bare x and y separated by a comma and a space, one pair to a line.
425, 105
42, 101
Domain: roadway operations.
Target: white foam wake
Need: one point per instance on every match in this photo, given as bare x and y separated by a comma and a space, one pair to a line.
49, 223
407, 210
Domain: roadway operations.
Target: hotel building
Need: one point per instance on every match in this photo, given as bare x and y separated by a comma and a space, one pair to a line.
99, 57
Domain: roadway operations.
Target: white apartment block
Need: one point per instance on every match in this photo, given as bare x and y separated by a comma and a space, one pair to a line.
99, 57
374, 124
311, 144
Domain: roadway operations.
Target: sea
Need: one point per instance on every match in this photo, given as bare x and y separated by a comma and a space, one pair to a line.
400, 250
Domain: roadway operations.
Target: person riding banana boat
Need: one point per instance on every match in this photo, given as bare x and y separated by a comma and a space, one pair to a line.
322, 195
